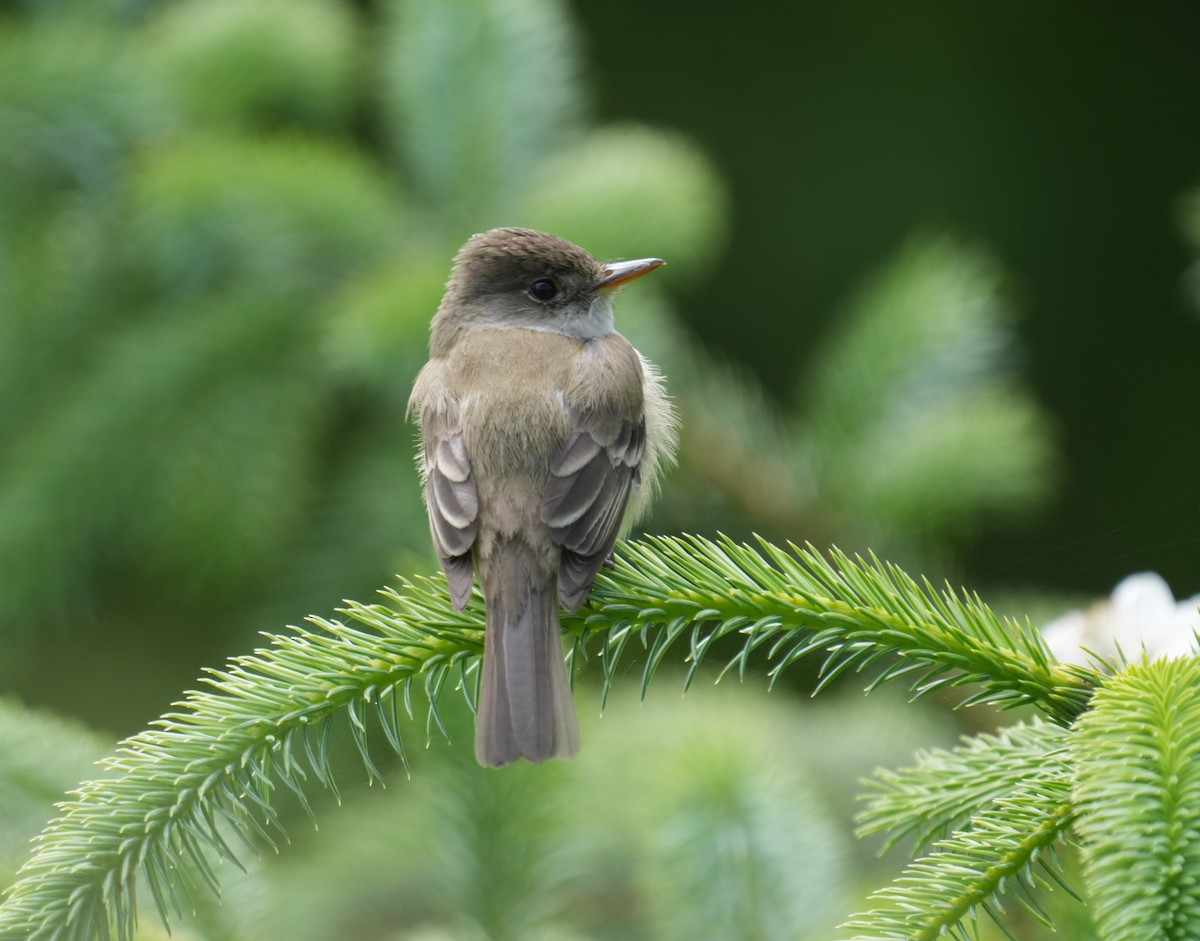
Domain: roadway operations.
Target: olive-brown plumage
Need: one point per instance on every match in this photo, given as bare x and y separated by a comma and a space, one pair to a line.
542, 430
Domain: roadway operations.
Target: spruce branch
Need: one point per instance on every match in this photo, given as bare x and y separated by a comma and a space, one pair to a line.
857, 613
1006, 850
946, 788
1138, 790
178, 791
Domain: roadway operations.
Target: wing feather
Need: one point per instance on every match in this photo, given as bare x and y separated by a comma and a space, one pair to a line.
585, 501
452, 500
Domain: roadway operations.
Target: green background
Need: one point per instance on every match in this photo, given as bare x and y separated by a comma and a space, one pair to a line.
1064, 134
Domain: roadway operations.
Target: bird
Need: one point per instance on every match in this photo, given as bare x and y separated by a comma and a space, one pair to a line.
542, 434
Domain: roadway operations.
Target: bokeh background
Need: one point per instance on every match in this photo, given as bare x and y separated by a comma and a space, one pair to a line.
932, 291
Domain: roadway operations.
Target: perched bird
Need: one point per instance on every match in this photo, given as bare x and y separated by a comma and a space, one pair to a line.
542, 429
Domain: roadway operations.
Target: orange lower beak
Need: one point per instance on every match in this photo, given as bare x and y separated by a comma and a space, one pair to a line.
617, 273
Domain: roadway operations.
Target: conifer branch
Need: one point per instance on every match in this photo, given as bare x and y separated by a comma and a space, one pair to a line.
1138, 790
946, 788
208, 770
790, 603
179, 789
1007, 850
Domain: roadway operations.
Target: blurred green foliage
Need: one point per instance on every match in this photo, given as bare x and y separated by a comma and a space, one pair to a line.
698, 839
41, 756
223, 229
216, 288
257, 66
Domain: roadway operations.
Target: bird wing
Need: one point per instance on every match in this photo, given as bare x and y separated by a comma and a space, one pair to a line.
595, 471
451, 498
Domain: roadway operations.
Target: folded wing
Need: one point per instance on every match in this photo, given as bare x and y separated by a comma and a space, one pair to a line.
452, 500
585, 501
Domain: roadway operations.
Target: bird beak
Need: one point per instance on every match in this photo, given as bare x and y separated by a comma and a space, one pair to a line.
617, 273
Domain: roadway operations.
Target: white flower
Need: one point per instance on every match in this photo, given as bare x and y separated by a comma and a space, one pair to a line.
1141, 614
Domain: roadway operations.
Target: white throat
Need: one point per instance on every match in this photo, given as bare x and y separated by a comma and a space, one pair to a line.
577, 321
597, 322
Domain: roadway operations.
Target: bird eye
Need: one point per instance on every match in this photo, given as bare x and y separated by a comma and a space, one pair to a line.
543, 289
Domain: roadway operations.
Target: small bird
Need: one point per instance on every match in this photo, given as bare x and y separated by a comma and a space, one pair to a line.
542, 430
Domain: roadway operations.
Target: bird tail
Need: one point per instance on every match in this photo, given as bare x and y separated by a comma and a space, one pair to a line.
525, 707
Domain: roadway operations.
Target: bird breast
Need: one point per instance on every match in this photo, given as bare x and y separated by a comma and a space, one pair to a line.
512, 406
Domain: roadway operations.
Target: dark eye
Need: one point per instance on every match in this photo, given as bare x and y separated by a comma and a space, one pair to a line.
543, 289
